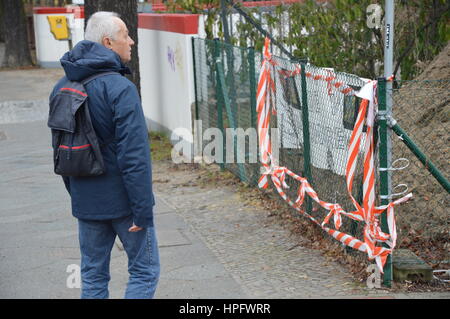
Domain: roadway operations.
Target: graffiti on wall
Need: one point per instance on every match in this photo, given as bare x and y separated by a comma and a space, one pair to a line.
171, 58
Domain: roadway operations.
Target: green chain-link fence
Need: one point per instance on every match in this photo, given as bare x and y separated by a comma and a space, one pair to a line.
313, 122
331, 116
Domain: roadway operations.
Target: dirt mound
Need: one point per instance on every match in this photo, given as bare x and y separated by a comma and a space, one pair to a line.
439, 68
422, 109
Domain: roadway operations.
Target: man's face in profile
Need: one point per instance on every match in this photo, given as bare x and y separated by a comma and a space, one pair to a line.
121, 44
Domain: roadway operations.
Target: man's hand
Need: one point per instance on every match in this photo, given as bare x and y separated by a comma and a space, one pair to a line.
134, 228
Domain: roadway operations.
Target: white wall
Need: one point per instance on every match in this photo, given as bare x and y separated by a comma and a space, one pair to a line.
167, 80
49, 50
166, 68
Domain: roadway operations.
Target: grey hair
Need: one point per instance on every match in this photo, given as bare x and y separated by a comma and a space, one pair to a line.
101, 24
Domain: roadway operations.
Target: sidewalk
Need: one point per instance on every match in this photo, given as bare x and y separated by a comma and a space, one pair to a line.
211, 244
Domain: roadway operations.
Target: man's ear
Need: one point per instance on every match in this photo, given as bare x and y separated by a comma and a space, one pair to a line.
107, 42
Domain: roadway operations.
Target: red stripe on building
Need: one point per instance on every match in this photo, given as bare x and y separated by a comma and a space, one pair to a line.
60, 10
178, 23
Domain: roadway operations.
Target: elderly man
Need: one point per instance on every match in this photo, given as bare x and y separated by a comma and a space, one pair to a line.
119, 202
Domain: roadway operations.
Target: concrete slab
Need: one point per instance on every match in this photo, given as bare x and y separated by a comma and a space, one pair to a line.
167, 238
161, 206
407, 266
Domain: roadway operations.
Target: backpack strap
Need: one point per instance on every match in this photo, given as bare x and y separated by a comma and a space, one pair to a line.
97, 75
86, 81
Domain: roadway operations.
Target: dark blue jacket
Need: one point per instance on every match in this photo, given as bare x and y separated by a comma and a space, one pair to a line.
118, 120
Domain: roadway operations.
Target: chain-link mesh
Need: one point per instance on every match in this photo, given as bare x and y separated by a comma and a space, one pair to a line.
331, 113
422, 109
331, 117
238, 156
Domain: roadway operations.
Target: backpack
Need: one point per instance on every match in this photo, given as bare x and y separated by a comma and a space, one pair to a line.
76, 148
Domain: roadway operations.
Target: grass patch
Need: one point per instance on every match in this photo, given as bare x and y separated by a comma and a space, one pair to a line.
160, 146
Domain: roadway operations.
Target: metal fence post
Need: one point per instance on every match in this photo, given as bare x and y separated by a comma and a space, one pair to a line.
385, 136
306, 138
198, 145
252, 78
383, 156
219, 100
233, 125
253, 87
195, 79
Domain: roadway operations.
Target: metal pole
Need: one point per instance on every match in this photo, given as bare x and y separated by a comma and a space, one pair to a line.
233, 124
223, 10
384, 172
420, 155
306, 137
197, 128
195, 79
219, 99
388, 71
253, 90
385, 134
252, 78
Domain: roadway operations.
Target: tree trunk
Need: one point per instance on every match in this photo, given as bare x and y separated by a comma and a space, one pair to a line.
128, 13
2, 32
17, 52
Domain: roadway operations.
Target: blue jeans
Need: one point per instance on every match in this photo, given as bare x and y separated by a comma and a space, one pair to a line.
96, 242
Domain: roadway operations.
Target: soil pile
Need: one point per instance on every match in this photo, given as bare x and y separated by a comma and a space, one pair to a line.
422, 109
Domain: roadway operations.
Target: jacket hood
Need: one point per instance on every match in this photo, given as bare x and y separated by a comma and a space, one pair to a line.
88, 58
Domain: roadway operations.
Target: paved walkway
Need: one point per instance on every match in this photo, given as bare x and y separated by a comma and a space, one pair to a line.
260, 256
211, 244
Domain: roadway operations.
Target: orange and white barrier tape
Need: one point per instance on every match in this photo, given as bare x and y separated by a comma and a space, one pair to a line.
265, 85
368, 213
330, 79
